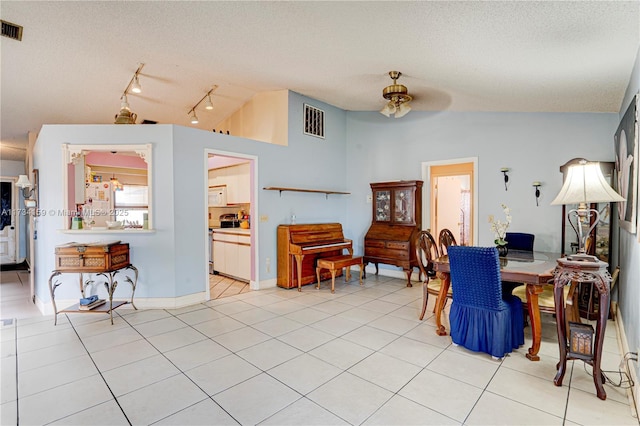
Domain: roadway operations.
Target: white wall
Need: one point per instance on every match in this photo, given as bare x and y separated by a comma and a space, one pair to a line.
629, 280
532, 145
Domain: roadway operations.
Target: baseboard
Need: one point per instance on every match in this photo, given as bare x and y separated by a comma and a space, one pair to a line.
633, 394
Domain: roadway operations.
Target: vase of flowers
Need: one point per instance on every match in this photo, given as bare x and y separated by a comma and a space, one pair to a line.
499, 228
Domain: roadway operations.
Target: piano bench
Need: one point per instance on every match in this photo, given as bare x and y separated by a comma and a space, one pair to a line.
335, 264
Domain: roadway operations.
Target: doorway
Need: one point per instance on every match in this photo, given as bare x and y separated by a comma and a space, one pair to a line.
231, 222
8, 222
451, 189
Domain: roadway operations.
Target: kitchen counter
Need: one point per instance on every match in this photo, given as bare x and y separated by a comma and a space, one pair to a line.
232, 230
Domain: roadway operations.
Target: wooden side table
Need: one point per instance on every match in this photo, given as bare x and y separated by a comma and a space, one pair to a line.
582, 268
102, 259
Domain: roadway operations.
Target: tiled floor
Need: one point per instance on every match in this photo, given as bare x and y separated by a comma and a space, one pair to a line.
221, 286
359, 356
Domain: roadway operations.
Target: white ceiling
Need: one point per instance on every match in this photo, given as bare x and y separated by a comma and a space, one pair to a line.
76, 58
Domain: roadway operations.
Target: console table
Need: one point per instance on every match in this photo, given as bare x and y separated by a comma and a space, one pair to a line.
103, 259
582, 268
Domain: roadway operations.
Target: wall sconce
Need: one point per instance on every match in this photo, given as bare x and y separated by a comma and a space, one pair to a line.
537, 186
208, 105
24, 184
504, 171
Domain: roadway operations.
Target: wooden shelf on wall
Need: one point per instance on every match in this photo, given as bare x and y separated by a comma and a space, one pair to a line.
318, 191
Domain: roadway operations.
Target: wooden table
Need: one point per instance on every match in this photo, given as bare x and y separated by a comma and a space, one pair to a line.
535, 269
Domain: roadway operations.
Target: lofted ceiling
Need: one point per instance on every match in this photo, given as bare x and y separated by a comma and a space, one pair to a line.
76, 57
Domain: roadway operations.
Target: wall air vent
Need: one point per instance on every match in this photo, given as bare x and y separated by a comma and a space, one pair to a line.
149, 122
313, 121
11, 30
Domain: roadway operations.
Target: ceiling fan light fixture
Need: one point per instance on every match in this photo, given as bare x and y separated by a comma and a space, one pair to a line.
398, 97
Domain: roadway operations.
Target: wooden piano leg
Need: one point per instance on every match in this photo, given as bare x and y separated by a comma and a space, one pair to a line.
299, 258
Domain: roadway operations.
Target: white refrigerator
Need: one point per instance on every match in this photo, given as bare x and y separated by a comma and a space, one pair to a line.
99, 202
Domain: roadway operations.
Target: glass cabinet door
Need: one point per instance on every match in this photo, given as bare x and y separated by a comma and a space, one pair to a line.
403, 205
383, 205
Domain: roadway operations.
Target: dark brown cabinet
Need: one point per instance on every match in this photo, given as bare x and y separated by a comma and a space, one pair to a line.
397, 219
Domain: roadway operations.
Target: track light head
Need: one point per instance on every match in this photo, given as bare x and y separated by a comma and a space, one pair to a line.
135, 86
208, 104
194, 117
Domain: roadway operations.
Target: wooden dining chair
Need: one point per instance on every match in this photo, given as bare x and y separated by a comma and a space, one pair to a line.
426, 252
446, 239
482, 318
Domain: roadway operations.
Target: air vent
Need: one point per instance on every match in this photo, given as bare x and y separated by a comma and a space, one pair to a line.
313, 121
11, 30
149, 122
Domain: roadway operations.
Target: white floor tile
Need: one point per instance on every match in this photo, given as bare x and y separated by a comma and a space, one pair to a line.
341, 353
304, 373
370, 337
222, 374
306, 338
108, 413
268, 354
586, 408
413, 351
401, 411
203, 413
350, 397
123, 354
136, 375
494, 409
303, 412
447, 396
161, 399
471, 370
256, 399
242, 338
199, 353
385, 371
176, 339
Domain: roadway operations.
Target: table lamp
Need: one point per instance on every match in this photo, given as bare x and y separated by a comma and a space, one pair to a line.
585, 184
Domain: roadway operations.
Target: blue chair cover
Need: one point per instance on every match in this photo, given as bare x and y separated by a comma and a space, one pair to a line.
481, 319
519, 241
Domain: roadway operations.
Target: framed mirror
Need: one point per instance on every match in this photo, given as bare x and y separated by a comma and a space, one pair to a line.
108, 187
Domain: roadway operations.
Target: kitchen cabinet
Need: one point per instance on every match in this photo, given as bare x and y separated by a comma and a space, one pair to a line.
237, 180
232, 253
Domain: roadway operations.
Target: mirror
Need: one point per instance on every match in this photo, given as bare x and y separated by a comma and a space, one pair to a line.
108, 187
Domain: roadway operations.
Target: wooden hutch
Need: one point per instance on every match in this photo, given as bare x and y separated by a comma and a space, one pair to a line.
397, 219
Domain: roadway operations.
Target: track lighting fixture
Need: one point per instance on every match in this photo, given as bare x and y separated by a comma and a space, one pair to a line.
125, 116
398, 98
207, 105
504, 171
194, 117
537, 186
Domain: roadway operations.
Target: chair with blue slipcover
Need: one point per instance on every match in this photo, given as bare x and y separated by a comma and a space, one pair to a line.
482, 318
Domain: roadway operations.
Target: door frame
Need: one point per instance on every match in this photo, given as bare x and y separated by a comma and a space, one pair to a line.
426, 190
254, 282
16, 211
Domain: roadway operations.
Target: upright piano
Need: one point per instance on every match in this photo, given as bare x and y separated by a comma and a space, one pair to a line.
300, 245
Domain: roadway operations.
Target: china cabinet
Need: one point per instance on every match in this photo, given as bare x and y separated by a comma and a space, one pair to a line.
396, 220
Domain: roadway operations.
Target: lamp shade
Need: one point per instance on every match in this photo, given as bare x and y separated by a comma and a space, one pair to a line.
586, 184
23, 182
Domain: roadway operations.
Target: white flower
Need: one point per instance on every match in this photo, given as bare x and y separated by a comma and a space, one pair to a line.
499, 228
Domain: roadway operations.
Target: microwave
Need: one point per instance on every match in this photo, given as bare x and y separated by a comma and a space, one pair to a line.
218, 196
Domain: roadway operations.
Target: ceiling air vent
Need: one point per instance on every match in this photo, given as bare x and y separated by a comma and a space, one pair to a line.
313, 121
11, 30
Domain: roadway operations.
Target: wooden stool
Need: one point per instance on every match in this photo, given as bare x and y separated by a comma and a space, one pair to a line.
336, 263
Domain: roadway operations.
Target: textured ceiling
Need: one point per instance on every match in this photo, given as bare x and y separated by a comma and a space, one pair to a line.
76, 58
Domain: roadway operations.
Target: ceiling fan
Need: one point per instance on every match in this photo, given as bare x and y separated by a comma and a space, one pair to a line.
398, 97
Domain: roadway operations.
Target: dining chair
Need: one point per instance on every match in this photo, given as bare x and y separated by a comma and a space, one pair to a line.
482, 318
426, 251
519, 241
446, 239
